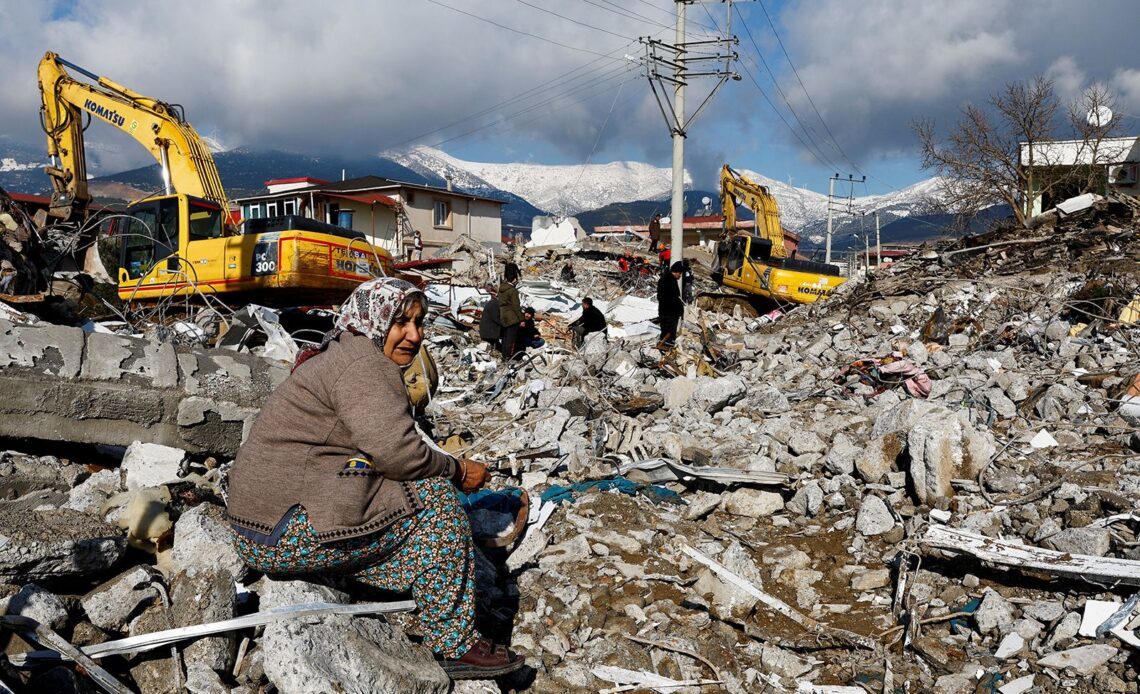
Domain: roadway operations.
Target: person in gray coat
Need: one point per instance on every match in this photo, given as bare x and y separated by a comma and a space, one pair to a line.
510, 310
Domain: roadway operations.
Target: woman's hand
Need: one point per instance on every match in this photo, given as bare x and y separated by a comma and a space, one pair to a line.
470, 475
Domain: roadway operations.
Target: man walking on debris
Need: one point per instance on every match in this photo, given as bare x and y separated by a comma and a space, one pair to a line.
418, 239
670, 308
510, 310
591, 321
654, 232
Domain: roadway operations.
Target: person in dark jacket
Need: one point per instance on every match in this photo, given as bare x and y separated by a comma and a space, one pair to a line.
670, 308
529, 337
490, 331
654, 232
334, 478
510, 310
591, 321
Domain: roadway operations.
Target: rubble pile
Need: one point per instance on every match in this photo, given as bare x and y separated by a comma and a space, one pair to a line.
929, 482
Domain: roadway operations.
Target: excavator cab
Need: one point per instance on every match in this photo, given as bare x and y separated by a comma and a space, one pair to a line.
152, 232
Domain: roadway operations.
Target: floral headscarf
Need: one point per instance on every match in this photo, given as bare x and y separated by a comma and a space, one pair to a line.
370, 311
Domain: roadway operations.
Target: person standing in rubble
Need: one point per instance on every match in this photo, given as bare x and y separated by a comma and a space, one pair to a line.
335, 478
510, 310
418, 241
490, 330
670, 308
654, 232
591, 321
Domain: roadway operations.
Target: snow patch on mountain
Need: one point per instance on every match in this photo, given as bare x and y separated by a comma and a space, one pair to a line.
8, 164
563, 189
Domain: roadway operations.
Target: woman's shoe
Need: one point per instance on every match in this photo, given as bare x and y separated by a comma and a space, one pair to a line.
484, 661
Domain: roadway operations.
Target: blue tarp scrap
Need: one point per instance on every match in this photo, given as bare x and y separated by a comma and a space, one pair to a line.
657, 494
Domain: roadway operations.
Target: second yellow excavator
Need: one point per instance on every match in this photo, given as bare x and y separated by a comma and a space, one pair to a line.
182, 242
759, 263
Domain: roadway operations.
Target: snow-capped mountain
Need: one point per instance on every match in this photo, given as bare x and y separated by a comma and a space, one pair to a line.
562, 189
581, 188
805, 211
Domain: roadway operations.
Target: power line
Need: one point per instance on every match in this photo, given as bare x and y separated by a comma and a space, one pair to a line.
760, 54
517, 31
671, 13
547, 85
575, 21
804, 87
533, 107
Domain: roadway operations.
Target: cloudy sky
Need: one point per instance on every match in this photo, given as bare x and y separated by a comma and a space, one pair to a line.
549, 81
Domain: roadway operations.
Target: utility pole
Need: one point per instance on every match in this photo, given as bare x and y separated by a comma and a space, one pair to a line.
878, 243
866, 244
848, 208
673, 64
677, 207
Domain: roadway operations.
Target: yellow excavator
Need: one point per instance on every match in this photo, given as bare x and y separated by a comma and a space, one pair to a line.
759, 263
183, 242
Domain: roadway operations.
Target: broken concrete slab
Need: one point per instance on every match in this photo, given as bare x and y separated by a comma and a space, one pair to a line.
339, 652
203, 540
1083, 660
111, 604
49, 544
150, 465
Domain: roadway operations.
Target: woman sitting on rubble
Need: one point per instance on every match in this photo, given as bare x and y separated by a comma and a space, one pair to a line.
335, 478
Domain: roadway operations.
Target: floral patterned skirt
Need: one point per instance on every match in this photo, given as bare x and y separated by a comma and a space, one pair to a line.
429, 553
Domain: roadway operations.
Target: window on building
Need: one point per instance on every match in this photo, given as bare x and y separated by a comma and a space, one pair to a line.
255, 211
442, 215
289, 207
271, 209
411, 197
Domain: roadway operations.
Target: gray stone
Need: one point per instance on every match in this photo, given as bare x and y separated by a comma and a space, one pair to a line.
1046, 611
802, 442
110, 605
548, 429
752, 503
105, 357
1065, 631
207, 596
34, 602
200, 679
1057, 330
203, 540
1015, 385
568, 398
1088, 540
46, 544
714, 394
150, 465
90, 494
871, 579
808, 499
338, 653
943, 448
768, 399
874, 517
700, 505
956, 683
1083, 660
841, 456
993, 612
678, 391
874, 461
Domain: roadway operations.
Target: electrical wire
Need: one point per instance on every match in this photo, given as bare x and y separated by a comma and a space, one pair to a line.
575, 21
516, 31
804, 88
547, 85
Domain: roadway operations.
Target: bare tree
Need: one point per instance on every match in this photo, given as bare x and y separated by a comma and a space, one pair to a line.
982, 158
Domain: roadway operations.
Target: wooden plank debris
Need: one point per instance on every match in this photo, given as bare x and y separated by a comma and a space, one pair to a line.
1007, 553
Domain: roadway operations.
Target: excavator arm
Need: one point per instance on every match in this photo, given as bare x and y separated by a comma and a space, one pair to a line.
187, 166
738, 190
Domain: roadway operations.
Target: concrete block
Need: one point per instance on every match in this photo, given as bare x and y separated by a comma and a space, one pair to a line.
150, 465
105, 356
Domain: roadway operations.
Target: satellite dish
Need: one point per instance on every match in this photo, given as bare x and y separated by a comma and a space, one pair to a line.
1099, 116
664, 220
705, 201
